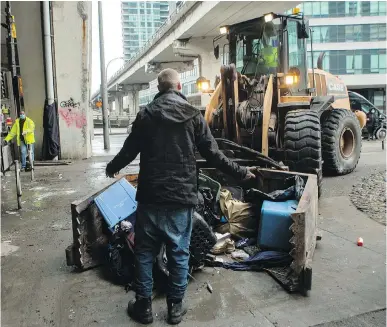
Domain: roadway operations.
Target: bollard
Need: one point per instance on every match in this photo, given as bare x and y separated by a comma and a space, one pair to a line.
31, 163
18, 184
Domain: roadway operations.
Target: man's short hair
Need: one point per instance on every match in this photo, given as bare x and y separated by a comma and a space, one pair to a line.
168, 79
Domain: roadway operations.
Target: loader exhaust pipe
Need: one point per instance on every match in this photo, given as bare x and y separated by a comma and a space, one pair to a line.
320, 60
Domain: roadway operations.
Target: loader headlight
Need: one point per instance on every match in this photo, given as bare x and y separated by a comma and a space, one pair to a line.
296, 11
269, 17
291, 79
203, 84
223, 29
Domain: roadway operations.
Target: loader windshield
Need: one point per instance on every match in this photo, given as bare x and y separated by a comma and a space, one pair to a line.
256, 49
260, 48
296, 58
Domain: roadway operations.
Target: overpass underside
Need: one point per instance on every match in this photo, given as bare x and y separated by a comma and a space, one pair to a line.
186, 36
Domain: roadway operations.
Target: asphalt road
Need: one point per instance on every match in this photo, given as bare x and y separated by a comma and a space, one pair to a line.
38, 289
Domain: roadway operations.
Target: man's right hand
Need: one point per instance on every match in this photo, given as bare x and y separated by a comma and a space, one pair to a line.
109, 172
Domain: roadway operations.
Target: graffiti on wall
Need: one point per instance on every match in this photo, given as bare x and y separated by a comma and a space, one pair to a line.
70, 103
70, 113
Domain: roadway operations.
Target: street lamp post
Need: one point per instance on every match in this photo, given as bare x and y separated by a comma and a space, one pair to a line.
107, 66
105, 118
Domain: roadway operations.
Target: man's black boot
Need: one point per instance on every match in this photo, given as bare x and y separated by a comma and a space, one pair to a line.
140, 310
176, 311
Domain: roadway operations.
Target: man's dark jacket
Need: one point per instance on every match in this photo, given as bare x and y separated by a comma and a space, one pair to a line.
166, 134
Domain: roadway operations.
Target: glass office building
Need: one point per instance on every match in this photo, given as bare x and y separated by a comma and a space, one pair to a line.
353, 36
140, 20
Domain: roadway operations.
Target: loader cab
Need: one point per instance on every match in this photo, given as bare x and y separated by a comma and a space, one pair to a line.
271, 44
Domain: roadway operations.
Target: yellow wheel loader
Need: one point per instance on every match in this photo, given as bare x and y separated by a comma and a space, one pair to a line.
269, 100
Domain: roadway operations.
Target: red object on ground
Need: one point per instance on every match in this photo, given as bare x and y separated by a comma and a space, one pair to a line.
360, 241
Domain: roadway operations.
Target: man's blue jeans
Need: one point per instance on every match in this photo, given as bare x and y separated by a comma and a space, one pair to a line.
23, 149
156, 225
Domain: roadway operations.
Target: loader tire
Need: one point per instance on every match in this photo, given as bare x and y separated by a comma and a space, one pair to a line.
302, 143
341, 142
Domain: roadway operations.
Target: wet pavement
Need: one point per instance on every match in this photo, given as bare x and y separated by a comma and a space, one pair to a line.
38, 289
116, 143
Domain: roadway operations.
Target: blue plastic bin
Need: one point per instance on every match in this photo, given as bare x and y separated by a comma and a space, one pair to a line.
274, 230
117, 202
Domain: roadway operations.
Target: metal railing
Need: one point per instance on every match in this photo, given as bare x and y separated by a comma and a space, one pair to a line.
184, 6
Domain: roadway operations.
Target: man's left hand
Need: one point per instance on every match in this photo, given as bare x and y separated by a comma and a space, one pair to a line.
24, 133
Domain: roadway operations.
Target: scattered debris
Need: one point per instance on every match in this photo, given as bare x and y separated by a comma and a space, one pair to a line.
11, 212
209, 287
239, 255
126, 226
223, 246
58, 227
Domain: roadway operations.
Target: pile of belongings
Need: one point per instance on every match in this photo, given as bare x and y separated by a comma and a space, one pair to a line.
227, 222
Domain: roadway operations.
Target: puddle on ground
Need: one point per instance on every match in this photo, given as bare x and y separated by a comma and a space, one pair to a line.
98, 165
7, 249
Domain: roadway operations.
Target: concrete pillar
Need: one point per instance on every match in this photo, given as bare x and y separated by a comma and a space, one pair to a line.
131, 111
117, 107
133, 100
72, 67
110, 107
29, 40
125, 103
133, 92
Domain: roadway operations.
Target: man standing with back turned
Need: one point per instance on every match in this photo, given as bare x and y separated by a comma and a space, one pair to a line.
166, 134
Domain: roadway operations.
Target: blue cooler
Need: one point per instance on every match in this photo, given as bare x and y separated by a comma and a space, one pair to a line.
274, 230
117, 202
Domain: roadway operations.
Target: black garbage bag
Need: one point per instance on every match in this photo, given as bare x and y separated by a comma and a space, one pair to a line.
51, 142
207, 207
293, 192
119, 260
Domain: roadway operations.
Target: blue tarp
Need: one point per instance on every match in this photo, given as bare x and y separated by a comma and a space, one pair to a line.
261, 260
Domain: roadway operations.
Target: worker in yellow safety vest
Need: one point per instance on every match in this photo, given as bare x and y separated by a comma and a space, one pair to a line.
269, 54
23, 129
